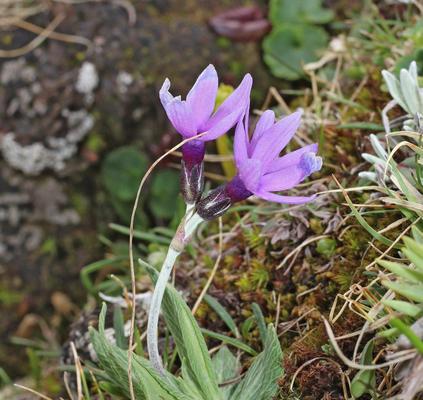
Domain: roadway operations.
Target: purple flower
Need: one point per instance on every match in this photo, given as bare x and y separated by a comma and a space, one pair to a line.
261, 171
195, 115
260, 168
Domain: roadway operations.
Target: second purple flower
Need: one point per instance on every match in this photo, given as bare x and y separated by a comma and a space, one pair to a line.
261, 171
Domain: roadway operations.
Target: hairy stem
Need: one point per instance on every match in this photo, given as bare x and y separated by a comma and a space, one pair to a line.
182, 235
153, 316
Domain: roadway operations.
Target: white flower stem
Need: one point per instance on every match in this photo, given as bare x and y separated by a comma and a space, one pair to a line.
153, 316
182, 235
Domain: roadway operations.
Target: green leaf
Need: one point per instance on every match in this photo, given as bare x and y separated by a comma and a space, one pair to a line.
222, 313
413, 292
404, 307
298, 12
287, 48
247, 325
122, 170
394, 88
227, 368
147, 383
229, 340
364, 381
258, 314
189, 341
402, 271
119, 327
163, 194
409, 333
414, 252
147, 236
260, 382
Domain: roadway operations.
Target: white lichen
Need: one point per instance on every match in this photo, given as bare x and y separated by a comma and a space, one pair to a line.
36, 157
87, 78
124, 80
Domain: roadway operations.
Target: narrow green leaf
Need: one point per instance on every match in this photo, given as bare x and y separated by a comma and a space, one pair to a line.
119, 327
149, 237
404, 307
365, 224
364, 381
95, 266
402, 271
409, 333
229, 340
414, 252
258, 314
222, 313
413, 292
102, 318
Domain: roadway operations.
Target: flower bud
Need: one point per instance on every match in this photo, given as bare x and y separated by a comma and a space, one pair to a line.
215, 204
192, 182
192, 173
218, 201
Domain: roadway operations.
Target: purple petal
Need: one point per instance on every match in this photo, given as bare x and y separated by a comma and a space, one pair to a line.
283, 179
222, 126
277, 198
178, 111
249, 171
240, 143
292, 174
276, 138
291, 158
202, 96
310, 163
235, 104
265, 122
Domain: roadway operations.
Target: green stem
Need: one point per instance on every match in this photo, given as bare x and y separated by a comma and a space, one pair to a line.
182, 235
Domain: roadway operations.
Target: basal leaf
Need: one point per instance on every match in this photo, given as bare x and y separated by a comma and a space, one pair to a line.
147, 383
189, 341
227, 367
260, 382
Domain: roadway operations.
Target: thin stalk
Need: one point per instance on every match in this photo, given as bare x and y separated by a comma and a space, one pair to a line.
156, 301
186, 228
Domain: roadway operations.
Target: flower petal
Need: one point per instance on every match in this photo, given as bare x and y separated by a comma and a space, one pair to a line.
202, 96
249, 170
235, 105
178, 111
276, 138
283, 179
292, 174
277, 198
265, 122
291, 158
223, 125
240, 143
